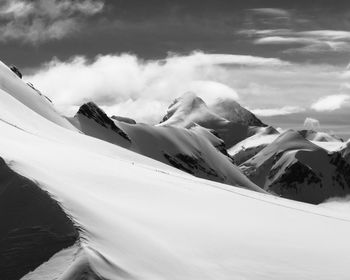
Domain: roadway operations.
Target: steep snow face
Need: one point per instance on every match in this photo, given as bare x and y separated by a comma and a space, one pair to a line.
232, 111
295, 168
319, 136
12, 84
93, 121
252, 145
189, 109
142, 219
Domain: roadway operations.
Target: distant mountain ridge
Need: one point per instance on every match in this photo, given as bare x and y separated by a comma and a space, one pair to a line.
293, 167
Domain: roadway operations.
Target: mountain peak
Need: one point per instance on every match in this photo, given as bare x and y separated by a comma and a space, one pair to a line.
184, 105
92, 111
234, 112
189, 109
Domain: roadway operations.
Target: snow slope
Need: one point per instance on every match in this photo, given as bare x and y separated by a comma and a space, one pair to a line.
18, 89
295, 168
196, 151
145, 220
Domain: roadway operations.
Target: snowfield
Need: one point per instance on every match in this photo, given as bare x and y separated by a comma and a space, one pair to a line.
142, 219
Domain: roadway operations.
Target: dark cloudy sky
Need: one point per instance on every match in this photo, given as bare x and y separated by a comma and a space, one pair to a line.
294, 63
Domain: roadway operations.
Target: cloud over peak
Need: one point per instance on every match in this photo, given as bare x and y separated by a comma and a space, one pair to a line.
141, 89
285, 110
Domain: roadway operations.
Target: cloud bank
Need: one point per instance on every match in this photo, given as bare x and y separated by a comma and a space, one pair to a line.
126, 85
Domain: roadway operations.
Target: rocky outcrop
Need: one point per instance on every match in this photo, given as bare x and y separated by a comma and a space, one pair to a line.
92, 111
15, 70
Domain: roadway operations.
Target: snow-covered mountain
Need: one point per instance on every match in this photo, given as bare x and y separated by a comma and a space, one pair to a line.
133, 217
296, 168
196, 150
231, 110
189, 110
93, 121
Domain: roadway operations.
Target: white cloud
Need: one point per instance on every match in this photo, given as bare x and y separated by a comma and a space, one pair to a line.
330, 102
286, 110
327, 34
43, 20
16, 9
124, 81
312, 124
210, 91
279, 40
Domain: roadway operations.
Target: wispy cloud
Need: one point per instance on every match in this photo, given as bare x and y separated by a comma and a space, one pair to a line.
286, 110
331, 102
274, 12
310, 41
42, 20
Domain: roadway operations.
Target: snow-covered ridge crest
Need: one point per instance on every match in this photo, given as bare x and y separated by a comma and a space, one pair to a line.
293, 167
13, 85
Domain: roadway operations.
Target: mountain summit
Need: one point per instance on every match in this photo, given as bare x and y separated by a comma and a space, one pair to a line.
231, 110
189, 110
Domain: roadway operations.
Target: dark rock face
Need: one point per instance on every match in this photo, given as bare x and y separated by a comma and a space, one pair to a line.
305, 179
193, 165
234, 112
33, 226
293, 182
92, 111
16, 71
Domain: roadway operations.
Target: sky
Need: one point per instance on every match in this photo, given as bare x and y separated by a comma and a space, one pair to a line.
284, 60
